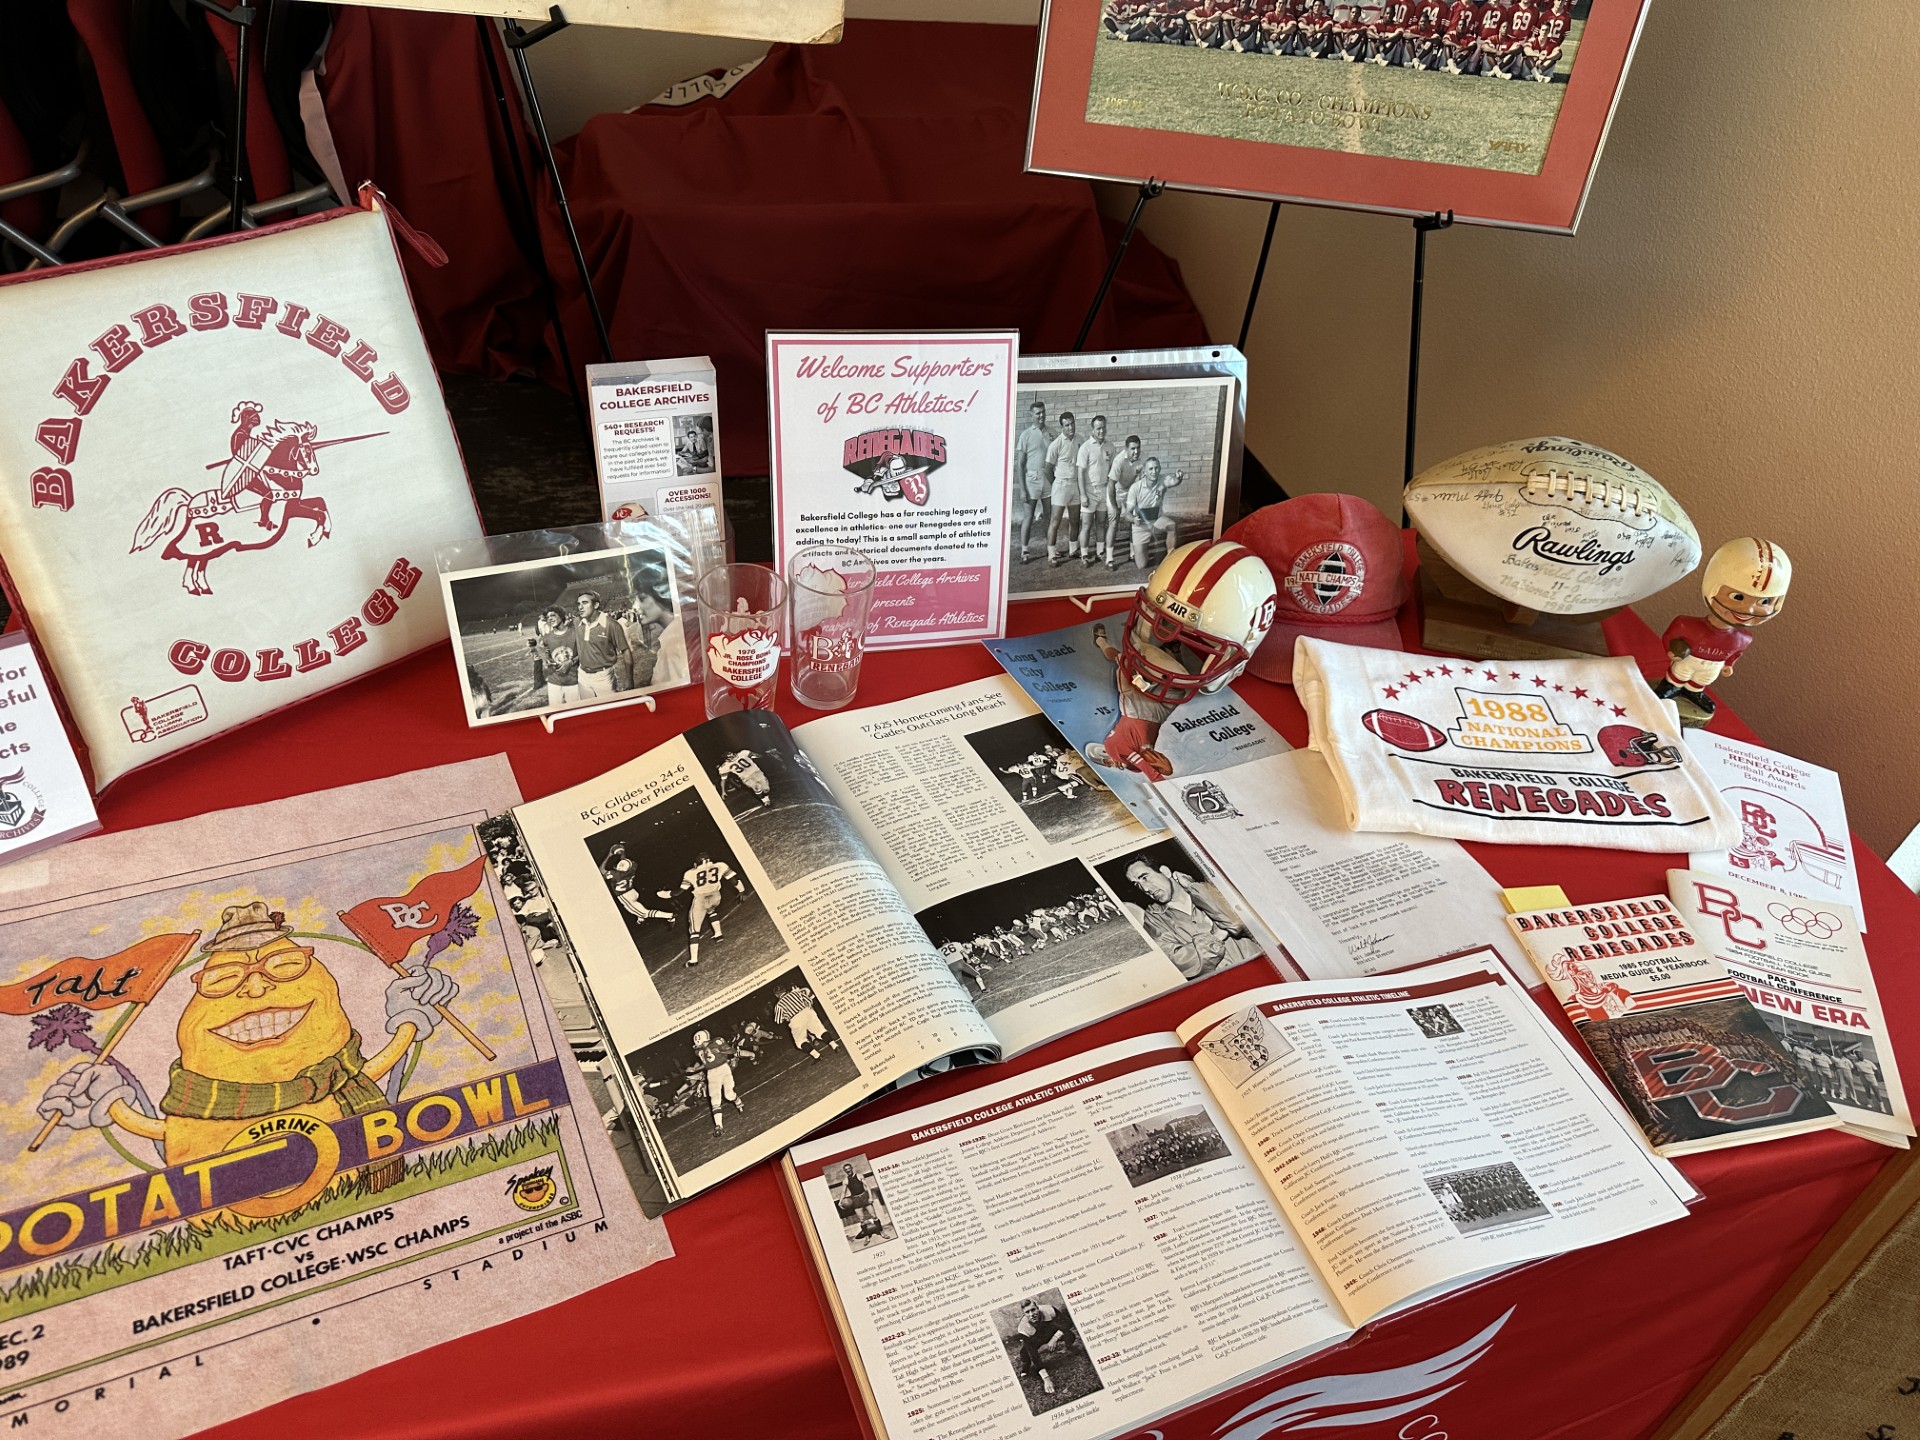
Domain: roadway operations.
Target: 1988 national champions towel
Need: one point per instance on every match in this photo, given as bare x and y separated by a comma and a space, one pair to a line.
1521, 752
223, 470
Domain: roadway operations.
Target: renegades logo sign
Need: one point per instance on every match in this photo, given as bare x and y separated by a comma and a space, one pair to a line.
274, 464
894, 462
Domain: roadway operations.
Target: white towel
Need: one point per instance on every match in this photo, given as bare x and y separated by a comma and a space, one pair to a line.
1519, 752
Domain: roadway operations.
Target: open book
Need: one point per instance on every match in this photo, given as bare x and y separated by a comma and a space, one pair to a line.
749, 930
1080, 1249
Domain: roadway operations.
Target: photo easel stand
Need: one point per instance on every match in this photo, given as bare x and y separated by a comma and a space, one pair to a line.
1423, 226
518, 42
554, 716
241, 17
1148, 189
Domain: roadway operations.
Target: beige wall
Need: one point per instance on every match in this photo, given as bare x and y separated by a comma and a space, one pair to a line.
1738, 314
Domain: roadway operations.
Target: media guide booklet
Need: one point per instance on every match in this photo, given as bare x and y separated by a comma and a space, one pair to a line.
748, 930
1081, 1249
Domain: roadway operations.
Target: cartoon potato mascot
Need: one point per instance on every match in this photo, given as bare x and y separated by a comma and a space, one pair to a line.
264, 1034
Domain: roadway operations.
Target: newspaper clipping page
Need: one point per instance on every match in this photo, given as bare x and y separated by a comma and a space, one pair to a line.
1048, 901
1345, 903
753, 967
1064, 1254
1425, 1132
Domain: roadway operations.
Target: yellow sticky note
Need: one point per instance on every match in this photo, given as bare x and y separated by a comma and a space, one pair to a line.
1533, 897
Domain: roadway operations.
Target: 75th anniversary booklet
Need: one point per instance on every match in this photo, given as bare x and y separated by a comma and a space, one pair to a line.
1080, 1249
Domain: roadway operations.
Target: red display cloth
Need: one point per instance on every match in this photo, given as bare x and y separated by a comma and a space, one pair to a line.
871, 185
728, 1339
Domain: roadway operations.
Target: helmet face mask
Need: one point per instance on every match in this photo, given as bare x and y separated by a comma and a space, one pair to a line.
1213, 601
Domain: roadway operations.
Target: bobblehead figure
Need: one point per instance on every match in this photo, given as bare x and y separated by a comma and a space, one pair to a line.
1744, 585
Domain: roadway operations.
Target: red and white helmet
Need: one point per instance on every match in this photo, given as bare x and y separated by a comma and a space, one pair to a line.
1212, 599
1630, 747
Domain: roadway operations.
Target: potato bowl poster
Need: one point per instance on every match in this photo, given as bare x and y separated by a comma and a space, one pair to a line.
264, 1094
901, 447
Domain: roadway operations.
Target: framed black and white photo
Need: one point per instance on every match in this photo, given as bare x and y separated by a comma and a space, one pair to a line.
1117, 460
536, 636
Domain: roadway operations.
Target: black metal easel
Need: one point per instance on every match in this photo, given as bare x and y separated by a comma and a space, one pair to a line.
1259, 275
528, 232
241, 17
518, 42
1423, 226
1148, 189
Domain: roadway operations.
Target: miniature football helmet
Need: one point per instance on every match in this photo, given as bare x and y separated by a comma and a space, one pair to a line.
1212, 599
1630, 747
1756, 573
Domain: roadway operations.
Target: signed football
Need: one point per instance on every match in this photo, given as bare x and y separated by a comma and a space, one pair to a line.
1554, 525
1403, 731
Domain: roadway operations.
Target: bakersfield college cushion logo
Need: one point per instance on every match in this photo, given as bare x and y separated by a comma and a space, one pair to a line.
1327, 577
894, 462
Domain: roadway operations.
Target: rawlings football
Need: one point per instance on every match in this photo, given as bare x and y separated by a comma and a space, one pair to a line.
1403, 731
1554, 525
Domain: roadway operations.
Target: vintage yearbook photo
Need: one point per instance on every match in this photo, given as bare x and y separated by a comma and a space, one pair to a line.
1169, 896
863, 1209
787, 815
740, 1071
689, 907
1045, 1350
1048, 779
1486, 1197
1108, 478
1031, 935
1150, 1150
579, 629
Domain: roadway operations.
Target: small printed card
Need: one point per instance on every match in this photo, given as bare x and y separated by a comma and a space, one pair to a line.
43, 794
656, 441
902, 447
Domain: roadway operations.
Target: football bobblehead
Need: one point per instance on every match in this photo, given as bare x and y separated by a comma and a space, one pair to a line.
1744, 584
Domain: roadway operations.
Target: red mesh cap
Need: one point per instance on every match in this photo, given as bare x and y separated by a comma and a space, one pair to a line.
1337, 562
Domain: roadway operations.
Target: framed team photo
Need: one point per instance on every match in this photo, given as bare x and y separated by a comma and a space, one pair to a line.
1495, 110
562, 631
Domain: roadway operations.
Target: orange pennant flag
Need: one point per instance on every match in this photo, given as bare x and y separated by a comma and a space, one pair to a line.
131, 977
391, 925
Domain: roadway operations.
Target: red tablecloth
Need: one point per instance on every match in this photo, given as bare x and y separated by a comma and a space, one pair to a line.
727, 1338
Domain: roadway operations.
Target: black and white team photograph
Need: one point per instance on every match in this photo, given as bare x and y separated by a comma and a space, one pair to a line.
1435, 1021
1019, 939
688, 905
1045, 1349
1150, 1150
1844, 1069
754, 1063
550, 634
787, 815
1109, 478
1047, 778
864, 1218
1486, 1197
1240, 1048
1169, 896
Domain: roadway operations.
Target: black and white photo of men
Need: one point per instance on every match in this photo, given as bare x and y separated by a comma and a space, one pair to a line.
733, 1074
1047, 778
864, 1218
1486, 1197
1044, 1347
1112, 476
788, 817
1170, 897
566, 630
1843, 1068
1021, 939
689, 907
1150, 1150
1435, 1021
693, 444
